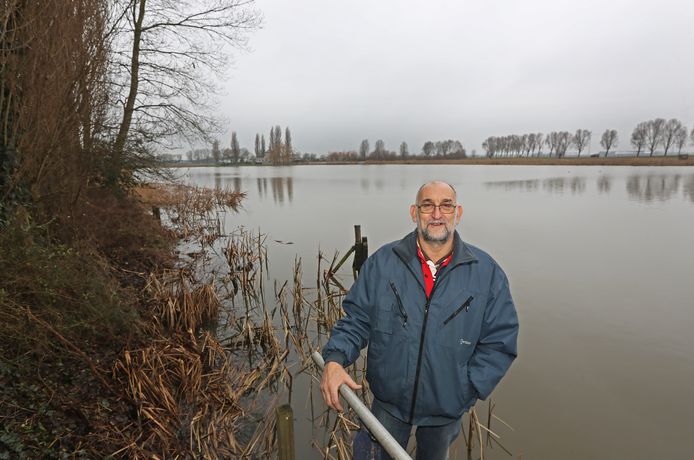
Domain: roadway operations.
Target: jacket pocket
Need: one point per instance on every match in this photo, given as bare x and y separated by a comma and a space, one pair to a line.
465, 306
457, 327
452, 391
401, 307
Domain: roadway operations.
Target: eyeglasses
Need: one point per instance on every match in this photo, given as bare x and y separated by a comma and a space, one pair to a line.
428, 208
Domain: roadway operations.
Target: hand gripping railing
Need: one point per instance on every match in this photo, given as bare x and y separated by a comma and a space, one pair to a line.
375, 428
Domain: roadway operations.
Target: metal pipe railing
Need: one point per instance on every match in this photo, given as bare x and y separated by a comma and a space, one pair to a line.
375, 428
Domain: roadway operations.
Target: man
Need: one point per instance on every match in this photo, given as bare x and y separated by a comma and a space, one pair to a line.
440, 323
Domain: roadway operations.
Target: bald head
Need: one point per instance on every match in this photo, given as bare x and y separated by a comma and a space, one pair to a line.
435, 183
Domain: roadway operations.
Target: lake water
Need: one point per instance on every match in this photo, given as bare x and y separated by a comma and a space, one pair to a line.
600, 261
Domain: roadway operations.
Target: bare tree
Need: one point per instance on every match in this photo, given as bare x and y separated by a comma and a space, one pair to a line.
262, 146
380, 147
428, 148
216, 153
363, 149
235, 149
258, 151
489, 146
531, 144
438, 148
552, 142
276, 149
165, 55
638, 137
524, 142
564, 143
456, 149
670, 132
404, 153
442, 148
288, 149
681, 139
273, 141
654, 134
609, 139
539, 137
581, 139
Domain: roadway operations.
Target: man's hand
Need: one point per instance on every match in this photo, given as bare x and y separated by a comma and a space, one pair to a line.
335, 375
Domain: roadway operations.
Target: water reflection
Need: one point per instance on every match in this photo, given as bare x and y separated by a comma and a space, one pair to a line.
552, 184
515, 185
688, 188
604, 184
645, 188
282, 188
221, 181
218, 181
560, 184
653, 187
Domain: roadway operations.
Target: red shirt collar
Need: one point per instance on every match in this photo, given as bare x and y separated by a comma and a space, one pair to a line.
429, 277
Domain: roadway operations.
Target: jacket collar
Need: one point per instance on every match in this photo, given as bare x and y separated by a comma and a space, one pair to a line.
406, 249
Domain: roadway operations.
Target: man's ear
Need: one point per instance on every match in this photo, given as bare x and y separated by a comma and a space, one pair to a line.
413, 213
459, 214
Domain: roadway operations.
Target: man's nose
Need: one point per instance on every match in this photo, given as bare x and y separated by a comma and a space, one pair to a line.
437, 212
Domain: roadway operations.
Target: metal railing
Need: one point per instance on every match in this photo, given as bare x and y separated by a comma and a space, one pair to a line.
368, 419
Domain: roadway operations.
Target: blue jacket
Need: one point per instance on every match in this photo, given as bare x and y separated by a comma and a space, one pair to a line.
429, 360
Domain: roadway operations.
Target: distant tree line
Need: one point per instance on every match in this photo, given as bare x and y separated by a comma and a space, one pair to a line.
446, 149
529, 145
648, 136
449, 149
278, 151
651, 134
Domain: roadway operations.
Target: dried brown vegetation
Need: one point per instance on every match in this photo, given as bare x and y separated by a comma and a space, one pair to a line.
66, 308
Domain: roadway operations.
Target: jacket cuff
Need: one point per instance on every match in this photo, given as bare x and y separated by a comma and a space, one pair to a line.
335, 356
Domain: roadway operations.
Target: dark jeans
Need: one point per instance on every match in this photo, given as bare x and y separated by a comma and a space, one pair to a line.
432, 441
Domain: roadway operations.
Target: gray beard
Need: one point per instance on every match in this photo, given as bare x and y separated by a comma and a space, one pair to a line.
426, 236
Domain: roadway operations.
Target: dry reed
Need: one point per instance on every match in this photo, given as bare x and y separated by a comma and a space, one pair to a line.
196, 387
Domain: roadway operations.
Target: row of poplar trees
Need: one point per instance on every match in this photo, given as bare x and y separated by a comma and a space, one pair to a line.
648, 137
279, 151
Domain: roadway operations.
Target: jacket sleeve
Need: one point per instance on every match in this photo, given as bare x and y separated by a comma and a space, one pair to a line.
497, 345
351, 333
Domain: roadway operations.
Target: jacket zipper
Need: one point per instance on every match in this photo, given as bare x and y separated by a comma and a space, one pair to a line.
465, 305
421, 350
424, 325
400, 305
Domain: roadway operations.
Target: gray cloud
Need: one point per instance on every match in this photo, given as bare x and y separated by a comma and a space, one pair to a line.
338, 72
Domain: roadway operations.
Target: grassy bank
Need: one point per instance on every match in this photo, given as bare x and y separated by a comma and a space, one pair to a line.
70, 302
104, 351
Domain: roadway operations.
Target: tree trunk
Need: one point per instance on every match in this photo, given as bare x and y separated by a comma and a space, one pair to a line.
115, 168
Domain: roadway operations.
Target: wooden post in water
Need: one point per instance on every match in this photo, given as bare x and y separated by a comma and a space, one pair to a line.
361, 251
285, 432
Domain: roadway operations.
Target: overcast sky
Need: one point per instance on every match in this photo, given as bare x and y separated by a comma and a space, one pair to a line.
337, 72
